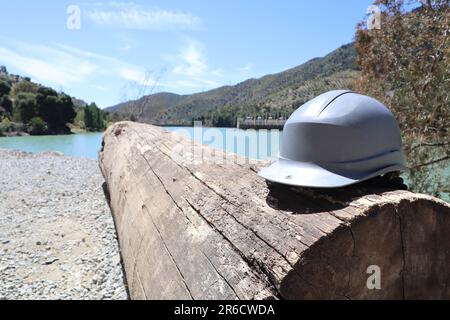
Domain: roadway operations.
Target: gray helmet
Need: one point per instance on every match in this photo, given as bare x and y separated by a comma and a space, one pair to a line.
337, 139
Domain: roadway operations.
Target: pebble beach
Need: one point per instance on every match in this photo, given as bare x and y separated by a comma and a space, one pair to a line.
57, 235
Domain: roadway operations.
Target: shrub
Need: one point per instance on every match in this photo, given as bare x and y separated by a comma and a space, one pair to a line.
6, 104
5, 88
8, 126
37, 126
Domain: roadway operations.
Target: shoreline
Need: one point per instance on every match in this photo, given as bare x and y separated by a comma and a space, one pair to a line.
57, 235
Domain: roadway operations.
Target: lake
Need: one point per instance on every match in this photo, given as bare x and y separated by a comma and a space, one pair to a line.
84, 145
261, 144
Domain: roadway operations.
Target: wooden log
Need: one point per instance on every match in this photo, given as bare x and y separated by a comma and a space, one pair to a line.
205, 230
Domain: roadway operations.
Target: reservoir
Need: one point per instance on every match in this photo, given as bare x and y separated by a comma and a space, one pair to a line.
256, 144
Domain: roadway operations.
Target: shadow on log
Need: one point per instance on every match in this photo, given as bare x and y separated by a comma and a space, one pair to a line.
203, 230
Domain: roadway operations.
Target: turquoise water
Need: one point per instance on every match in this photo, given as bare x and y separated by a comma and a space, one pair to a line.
84, 145
255, 144
261, 144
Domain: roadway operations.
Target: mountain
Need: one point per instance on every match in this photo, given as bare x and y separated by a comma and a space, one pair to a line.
272, 95
79, 103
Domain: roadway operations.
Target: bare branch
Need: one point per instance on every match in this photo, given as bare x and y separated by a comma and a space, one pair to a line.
431, 162
421, 145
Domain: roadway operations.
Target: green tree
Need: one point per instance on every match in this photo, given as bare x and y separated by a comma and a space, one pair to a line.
23, 87
88, 122
67, 109
26, 107
55, 109
93, 117
5, 88
37, 126
6, 104
405, 64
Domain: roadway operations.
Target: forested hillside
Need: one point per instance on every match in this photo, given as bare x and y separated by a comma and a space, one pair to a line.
30, 108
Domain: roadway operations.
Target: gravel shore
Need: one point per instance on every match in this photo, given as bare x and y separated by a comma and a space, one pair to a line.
57, 236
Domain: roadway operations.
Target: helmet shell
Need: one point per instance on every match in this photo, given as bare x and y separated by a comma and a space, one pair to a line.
337, 139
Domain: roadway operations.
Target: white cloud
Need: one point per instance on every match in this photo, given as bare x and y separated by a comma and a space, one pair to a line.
127, 41
132, 74
58, 67
245, 69
100, 87
137, 76
115, 66
191, 61
133, 16
84, 53
191, 67
64, 65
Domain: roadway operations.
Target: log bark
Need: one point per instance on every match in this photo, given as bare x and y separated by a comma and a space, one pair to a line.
205, 230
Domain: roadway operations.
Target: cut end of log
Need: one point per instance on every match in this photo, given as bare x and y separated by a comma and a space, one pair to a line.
200, 230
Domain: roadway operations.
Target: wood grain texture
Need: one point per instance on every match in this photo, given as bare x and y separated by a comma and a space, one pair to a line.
203, 230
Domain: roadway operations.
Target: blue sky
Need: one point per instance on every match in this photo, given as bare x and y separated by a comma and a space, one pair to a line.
123, 50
